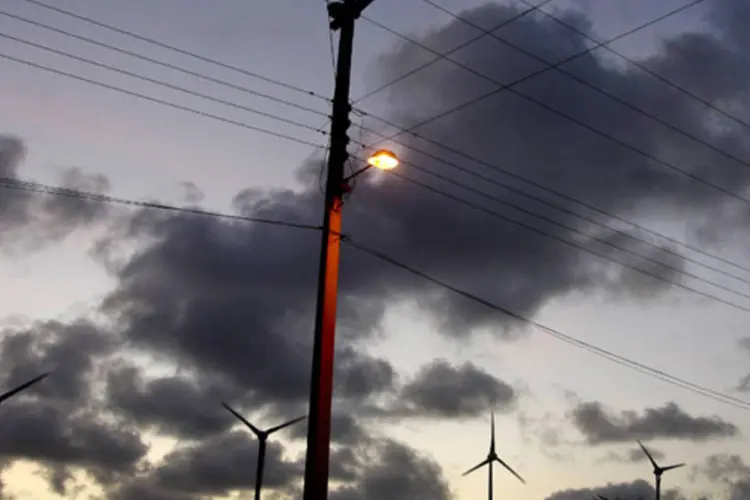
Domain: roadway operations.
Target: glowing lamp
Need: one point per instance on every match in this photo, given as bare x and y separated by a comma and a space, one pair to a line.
383, 159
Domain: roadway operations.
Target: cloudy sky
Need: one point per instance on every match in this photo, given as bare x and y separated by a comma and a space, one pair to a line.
607, 200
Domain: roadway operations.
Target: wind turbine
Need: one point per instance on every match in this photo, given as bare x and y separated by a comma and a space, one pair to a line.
9, 394
262, 439
492, 457
658, 471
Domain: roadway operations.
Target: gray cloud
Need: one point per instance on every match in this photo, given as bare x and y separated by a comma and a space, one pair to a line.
667, 422
70, 351
222, 464
635, 455
446, 391
723, 467
60, 436
180, 406
396, 472
728, 471
636, 490
29, 221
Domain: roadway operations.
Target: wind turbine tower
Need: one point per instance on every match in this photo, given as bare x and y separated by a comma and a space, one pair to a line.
658, 471
262, 440
491, 458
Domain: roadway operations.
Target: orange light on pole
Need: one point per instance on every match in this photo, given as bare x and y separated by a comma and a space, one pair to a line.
383, 159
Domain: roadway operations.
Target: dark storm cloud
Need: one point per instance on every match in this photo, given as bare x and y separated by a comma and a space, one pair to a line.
445, 391
181, 406
59, 423
219, 465
238, 299
60, 436
69, 351
394, 471
29, 220
667, 422
638, 489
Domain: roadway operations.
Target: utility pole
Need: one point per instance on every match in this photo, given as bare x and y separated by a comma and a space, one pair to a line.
343, 15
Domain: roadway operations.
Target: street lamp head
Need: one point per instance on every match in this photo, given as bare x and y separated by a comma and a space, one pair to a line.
383, 159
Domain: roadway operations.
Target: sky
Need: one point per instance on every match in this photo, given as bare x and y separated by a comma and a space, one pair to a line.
606, 201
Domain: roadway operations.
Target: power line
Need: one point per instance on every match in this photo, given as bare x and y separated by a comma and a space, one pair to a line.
159, 101
161, 63
596, 88
534, 74
164, 84
619, 359
597, 239
648, 71
533, 7
557, 207
177, 49
570, 118
583, 248
46, 189
36, 187
429, 63
696, 277
209, 78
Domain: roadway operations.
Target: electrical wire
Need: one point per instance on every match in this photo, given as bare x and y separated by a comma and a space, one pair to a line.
609, 355
674, 283
161, 101
164, 84
471, 172
161, 63
529, 76
564, 209
36, 187
603, 241
164, 45
581, 247
429, 63
622, 360
595, 88
580, 123
648, 71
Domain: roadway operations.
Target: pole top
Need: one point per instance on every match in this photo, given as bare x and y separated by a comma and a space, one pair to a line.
338, 11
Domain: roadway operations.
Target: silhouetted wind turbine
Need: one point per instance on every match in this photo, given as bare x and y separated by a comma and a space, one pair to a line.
658, 471
22, 387
492, 457
262, 438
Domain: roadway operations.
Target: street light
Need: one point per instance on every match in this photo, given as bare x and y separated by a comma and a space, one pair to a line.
383, 159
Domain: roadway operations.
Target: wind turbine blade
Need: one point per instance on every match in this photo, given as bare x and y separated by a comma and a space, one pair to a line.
22, 387
500, 461
670, 467
602, 497
650, 458
479, 466
287, 424
242, 419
